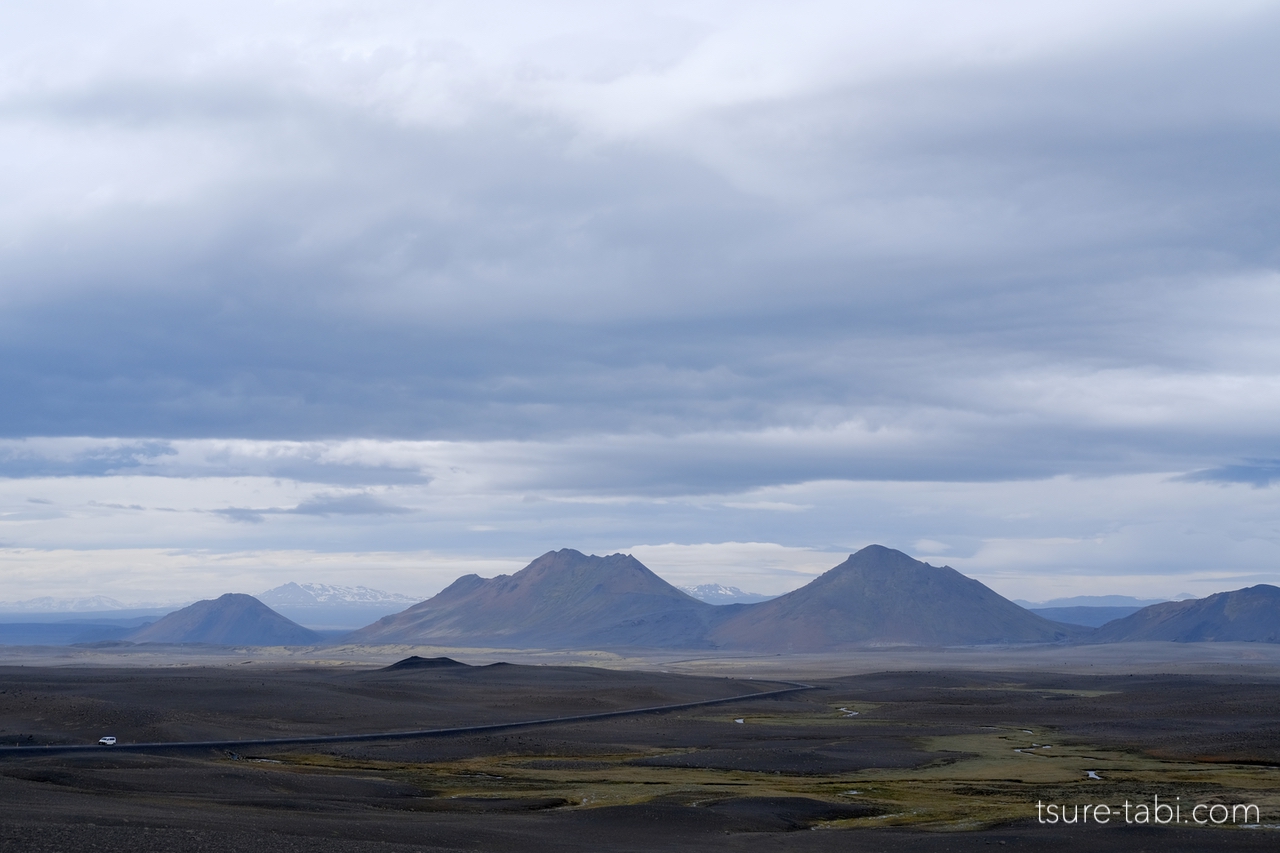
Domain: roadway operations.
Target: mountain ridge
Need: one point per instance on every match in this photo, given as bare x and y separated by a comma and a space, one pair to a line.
880, 595
563, 599
566, 599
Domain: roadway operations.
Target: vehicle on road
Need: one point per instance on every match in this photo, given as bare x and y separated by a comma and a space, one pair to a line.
106, 741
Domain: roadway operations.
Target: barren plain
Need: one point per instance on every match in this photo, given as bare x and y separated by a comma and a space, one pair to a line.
893, 750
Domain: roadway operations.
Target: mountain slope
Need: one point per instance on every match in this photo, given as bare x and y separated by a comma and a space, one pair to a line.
880, 595
1243, 615
233, 620
563, 599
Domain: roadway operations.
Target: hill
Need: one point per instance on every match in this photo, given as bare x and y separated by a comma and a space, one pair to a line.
563, 599
880, 595
231, 620
1249, 615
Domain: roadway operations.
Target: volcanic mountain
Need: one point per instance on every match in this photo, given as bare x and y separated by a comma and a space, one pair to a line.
880, 595
1249, 615
563, 599
232, 620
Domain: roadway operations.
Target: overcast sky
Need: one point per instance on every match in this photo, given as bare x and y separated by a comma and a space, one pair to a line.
383, 292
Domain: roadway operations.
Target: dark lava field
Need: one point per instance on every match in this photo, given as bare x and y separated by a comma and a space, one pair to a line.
894, 761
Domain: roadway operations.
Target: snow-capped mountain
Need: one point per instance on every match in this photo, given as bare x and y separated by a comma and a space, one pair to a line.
328, 607
715, 593
311, 594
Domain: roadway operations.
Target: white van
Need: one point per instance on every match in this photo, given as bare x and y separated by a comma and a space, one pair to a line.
106, 741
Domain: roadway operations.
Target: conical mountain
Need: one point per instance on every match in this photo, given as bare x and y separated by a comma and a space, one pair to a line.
880, 595
231, 620
563, 599
1250, 615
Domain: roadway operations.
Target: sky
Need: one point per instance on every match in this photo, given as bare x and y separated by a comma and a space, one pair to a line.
382, 293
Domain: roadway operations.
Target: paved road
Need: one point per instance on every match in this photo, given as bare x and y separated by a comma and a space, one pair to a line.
793, 687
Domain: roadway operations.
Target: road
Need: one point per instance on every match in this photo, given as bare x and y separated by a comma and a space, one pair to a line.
12, 751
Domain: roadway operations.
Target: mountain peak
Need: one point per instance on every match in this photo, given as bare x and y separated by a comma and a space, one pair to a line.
233, 619
881, 595
562, 599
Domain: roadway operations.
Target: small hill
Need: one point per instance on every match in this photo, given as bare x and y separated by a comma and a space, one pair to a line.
563, 599
416, 662
1250, 615
878, 596
231, 620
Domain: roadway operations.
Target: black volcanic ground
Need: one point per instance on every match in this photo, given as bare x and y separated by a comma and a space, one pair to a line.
930, 753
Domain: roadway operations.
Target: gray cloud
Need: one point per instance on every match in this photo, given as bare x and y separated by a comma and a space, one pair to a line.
1257, 472
1062, 263
17, 460
320, 505
357, 504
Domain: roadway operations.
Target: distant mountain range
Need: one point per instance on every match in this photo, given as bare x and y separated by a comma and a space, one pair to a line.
322, 594
47, 604
1090, 617
1091, 610
1097, 601
566, 599
326, 607
715, 593
1250, 615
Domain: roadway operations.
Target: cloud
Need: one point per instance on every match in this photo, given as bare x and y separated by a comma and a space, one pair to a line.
335, 463
357, 504
474, 253
360, 503
250, 516
1257, 472
382, 273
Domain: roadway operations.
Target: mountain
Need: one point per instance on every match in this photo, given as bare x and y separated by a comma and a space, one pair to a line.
1244, 615
714, 593
563, 599
232, 620
315, 594
880, 595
